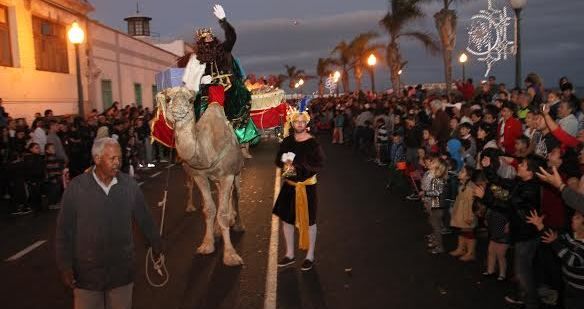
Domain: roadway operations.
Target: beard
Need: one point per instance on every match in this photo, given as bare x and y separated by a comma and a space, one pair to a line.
207, 52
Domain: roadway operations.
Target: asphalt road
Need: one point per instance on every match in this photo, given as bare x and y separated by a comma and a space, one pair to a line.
370, 250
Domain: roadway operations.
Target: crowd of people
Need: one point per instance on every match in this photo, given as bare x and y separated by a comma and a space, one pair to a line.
37, 161
483, 158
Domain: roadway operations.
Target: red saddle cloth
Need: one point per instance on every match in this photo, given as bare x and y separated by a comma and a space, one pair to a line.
217, 94
162, 131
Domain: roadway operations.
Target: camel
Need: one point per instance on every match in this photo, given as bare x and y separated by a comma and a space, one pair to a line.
210, 154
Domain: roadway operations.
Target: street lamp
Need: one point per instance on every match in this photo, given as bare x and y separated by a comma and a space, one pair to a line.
463, 59
517, 6
76, 36
336, 77
371, 61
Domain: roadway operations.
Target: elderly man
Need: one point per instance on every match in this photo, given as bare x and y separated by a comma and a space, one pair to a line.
94, 243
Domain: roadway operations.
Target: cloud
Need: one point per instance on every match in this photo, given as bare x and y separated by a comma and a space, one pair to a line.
552, 32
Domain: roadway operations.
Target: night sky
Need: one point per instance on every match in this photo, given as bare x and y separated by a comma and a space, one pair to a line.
272, 33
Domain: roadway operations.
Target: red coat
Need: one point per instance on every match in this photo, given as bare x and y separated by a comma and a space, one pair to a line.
513, 130
466, 89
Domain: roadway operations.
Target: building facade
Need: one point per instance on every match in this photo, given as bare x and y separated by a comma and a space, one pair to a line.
38, 68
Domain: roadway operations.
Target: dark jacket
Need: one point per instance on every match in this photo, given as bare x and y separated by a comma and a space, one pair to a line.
94, 235
414, 136
515, 199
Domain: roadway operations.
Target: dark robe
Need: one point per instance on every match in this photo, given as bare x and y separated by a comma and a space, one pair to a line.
308, 162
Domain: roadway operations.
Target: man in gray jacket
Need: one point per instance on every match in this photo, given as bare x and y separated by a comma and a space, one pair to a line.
94, 243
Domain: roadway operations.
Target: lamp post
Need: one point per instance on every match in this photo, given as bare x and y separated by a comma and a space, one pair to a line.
371, 61
463, 59
76, 36
336, 77
300, 83
399, 73
517, 6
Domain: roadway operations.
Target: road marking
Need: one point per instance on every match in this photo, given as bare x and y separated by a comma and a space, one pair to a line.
155, 174
25, 251
140, 183
172, 165
272, 273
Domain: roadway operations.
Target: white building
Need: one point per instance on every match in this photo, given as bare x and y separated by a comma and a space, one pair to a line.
37, 62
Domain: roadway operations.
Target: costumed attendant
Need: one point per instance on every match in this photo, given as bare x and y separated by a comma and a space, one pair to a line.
300, 157
213, 63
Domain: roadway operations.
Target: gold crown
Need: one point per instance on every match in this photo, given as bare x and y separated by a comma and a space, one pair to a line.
203, 32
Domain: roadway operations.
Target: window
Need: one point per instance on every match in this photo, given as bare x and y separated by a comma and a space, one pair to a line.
50, 44
138, 94
154, 93
5, 49
106, 93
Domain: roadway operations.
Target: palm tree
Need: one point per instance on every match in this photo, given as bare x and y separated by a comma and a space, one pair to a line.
323, 70
343, 60
293, 74
445, 20
361, 48
401, 13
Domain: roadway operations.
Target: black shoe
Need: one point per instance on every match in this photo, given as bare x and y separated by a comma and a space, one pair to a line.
286, 261
307, 265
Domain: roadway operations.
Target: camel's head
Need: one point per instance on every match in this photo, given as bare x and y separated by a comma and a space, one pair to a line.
177, 104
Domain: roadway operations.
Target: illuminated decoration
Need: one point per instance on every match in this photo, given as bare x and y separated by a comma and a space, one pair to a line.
487, 36
331, 83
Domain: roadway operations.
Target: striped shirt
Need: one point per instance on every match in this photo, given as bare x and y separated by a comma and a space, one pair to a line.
382, 135
571, 252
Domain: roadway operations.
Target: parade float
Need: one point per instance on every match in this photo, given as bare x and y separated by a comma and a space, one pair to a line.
268, 105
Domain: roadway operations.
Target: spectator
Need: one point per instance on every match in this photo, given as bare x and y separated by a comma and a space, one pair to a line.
54, 183
509, 129
463, 216
567, 121
55, 140
440, 122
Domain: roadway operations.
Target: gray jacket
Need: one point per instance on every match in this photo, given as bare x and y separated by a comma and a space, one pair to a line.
94, 231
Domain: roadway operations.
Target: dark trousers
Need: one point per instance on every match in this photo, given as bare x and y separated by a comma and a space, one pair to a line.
53, 189
573, 298
524, 258
34, 195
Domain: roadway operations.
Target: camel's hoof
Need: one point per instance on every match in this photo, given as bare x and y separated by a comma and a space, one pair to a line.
190, 208
238, 228
232, 259
206, 249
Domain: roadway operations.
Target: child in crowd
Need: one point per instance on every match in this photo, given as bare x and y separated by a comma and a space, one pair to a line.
450, 193
339, 124
569, 247
54, 183
397, 165
416, 171
381, 142
432, 197
522, 148
463, 216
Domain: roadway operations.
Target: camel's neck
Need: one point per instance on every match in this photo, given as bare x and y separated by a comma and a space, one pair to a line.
185, 138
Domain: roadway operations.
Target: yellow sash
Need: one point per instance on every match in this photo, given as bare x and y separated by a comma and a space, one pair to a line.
302, 209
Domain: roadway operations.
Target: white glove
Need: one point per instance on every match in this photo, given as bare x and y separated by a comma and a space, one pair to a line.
206, 80
288, 156
219, 12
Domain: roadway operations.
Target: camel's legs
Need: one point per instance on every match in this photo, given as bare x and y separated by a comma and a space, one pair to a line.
238, 227
189, 183
210, 211
225, 185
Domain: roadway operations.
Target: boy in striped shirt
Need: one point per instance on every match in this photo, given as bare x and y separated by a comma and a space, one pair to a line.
570, 249
381, 142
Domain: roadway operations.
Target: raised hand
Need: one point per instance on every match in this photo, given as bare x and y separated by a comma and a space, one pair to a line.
535, 219
549, 236
219, 11
554, 178
479, 191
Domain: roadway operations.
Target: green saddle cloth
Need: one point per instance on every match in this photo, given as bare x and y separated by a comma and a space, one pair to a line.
237, 110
